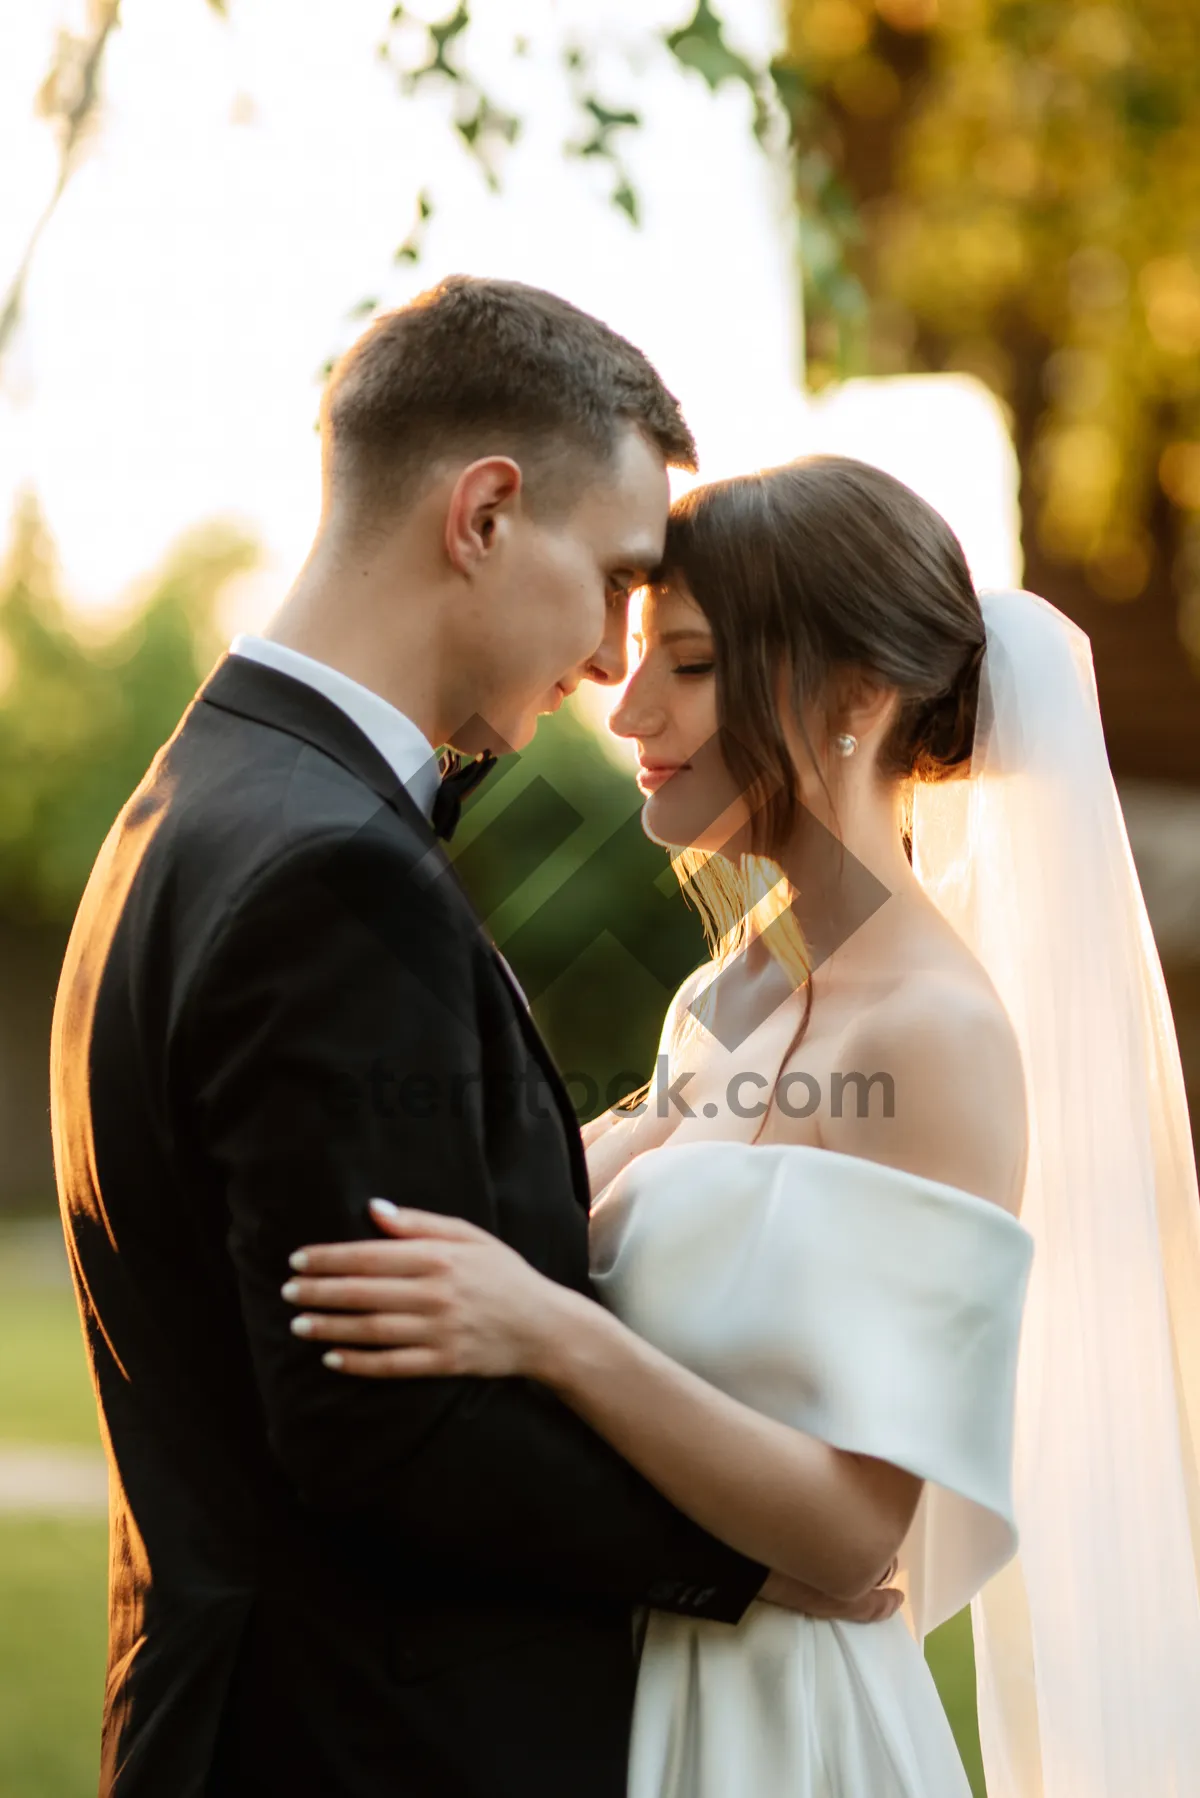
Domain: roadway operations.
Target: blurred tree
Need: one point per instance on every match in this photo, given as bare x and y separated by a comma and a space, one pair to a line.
79, 720
1012, 188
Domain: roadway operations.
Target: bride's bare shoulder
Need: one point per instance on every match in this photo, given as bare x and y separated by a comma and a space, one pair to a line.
945, 1086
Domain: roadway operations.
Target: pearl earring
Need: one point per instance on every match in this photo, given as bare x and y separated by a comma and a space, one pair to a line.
845, 744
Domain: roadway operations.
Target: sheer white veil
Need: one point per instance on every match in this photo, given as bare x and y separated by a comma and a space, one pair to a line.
1088, 1642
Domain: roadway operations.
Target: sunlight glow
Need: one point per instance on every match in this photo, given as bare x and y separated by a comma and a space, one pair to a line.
249, 182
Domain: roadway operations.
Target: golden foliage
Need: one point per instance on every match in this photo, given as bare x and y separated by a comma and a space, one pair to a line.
1035, 217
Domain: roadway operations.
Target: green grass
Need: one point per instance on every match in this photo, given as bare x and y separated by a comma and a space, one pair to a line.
52, 1643
45, 1392
52, 1573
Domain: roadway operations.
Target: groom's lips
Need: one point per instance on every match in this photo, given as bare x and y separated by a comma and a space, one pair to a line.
652, 775
557, 694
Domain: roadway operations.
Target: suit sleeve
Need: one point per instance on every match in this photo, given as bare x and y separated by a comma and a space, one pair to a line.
342, 961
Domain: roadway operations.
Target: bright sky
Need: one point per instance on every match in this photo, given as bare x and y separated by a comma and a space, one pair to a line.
249, 183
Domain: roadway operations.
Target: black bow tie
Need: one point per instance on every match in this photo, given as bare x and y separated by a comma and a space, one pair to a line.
460, 779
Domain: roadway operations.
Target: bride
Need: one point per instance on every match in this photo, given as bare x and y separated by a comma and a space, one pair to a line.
881, 1245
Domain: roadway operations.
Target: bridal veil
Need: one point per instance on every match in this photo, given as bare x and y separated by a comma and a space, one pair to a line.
1087, 1642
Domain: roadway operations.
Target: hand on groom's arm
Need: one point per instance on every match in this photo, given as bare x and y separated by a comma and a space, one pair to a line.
339, 962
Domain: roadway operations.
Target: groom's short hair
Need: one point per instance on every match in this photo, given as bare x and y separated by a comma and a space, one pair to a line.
479, 367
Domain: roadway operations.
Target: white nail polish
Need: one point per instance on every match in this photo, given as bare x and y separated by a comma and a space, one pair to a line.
332, 1359
386, 1206
291, 1290
299, 1261
302, 1326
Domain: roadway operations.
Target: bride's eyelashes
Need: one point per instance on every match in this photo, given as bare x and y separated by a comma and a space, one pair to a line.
694, 668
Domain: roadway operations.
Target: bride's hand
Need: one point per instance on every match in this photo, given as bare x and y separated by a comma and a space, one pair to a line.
875, 1606
441, 1297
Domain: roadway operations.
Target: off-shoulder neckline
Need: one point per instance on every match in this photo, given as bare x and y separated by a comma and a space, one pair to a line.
884, 1169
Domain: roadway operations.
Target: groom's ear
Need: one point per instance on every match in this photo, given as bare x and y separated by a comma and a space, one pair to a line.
482, 500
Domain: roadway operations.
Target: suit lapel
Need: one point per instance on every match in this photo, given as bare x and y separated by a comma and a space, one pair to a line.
562, 1098
250, 690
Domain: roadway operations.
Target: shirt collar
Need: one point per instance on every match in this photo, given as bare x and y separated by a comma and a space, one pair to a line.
403, 746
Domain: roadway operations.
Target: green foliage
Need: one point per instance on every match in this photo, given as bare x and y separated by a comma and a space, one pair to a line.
435, 55
52, 1572
701, 45
80, 722
431, 53
52, 1647
45, 1392
410, 250
1015, 190
584, 906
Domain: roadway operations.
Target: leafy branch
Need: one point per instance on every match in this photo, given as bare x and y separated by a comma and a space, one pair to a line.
601, 124
484, 127
68, 98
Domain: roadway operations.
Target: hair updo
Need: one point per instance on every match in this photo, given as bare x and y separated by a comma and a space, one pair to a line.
943, 730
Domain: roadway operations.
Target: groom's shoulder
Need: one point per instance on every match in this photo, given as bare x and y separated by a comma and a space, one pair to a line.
239, 787
242, 812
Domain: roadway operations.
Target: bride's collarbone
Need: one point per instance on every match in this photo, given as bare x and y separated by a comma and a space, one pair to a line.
745, 1077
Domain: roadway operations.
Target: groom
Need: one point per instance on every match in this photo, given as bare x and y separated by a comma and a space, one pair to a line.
276, 1004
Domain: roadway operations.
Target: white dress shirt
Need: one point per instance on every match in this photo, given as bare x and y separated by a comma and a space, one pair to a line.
405, 749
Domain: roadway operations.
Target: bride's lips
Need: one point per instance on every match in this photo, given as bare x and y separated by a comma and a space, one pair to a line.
652, 775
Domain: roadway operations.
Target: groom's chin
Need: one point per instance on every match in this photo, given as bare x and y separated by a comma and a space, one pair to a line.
522, 731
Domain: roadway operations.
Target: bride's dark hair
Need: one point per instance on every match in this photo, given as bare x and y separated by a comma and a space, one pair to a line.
826, 562
823, 563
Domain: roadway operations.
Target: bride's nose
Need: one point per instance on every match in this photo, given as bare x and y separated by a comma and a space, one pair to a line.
631, 718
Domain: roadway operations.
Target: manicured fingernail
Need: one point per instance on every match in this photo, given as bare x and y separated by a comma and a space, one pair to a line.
291, 1290
299, 1261
302, 1326
385, 1207
333, 1359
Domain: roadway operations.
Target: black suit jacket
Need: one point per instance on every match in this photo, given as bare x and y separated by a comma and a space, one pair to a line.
276, 1004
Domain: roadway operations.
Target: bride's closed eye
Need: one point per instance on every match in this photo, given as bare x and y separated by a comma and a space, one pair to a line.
694, 668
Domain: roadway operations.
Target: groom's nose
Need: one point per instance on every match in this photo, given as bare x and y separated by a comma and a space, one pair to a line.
609, 664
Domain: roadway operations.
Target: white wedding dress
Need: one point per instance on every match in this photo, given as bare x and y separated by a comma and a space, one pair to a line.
875, 1310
